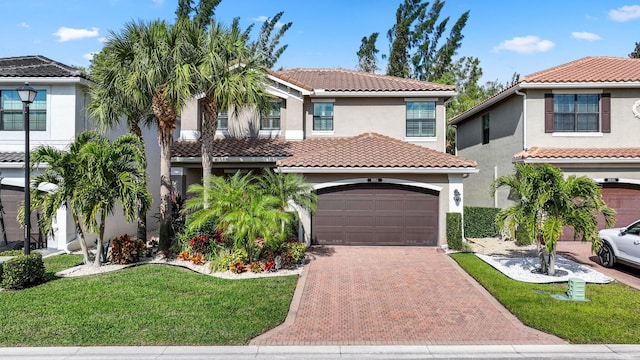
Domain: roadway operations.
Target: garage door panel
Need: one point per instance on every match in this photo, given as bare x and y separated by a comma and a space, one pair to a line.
376, 214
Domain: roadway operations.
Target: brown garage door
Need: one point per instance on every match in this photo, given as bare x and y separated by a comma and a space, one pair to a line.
625, 199
12, 198
376, 214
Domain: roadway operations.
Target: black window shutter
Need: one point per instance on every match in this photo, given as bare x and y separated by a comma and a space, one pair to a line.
605, 122
548, 113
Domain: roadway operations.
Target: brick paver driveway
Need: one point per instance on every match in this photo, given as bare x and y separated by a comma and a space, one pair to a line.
394, 295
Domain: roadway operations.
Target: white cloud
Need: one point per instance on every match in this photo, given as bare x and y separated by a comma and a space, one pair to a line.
89, 56
625, 13
583, 35
263, 18
103, 40
23, 25
525, 45
69, 34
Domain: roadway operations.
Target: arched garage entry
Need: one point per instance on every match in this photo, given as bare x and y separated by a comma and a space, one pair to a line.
376, 214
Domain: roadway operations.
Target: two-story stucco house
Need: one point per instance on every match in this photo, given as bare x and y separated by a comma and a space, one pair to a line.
56, 116
372, 146
582, 116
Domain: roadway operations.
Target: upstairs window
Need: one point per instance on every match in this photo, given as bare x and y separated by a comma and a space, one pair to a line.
223, 120
272, 120
322, 116
421, 119
11, 111
576, 113
485, 128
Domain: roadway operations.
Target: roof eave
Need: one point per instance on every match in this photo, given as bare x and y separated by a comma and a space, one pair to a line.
45, 80
321, 93
482, 106
580, 85
569, 160
382, 170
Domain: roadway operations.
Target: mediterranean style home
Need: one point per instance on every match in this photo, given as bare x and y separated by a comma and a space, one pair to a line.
372, 146
582, 116
56, 116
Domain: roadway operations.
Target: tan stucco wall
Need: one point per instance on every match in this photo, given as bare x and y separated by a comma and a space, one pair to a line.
495, 158
625, 127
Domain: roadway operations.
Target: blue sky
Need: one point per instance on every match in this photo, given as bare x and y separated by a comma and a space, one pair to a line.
507, 36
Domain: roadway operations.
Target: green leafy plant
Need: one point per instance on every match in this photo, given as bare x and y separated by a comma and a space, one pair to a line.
126, 250
11, 253
480, 222
454, 231
23, 271
255, 267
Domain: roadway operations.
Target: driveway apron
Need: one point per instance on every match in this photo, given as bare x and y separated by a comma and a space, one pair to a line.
350, 295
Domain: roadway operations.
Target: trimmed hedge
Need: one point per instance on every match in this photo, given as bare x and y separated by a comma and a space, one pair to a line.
23, 271
454, 231
479, 222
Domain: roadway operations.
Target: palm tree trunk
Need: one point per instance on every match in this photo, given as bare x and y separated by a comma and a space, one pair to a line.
166, 123
552, 263
134, 128
80, 234
208, 134
98, 260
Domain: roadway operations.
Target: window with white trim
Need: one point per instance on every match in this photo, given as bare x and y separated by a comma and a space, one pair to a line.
272, 120
11, 111
421, 119
576, 112
323, 116
223, 120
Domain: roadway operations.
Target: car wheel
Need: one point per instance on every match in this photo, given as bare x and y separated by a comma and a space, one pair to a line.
606, 256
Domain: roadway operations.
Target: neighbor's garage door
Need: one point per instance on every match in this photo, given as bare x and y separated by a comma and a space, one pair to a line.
376, 214
625, 199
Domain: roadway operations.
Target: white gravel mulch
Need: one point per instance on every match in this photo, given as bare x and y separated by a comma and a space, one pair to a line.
86, 270
526, 269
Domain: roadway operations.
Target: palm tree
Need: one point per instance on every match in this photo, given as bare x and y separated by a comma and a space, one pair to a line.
289, 189
112, 170
107, 107
155, 63
64, 170
545, 202
230, 78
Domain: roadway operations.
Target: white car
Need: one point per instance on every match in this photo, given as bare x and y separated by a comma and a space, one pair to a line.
621, 245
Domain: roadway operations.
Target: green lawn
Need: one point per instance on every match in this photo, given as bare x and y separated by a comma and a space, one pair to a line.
143, 305
611, 315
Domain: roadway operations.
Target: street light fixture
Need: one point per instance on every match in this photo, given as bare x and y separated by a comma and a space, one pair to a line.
27, 95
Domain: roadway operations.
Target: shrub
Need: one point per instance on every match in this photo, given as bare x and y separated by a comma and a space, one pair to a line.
12, 253
125, 250
237, 267
294, 253
23, 271
480, 222
197, 259
255, 267
226, 261
199, 244
184, 255
454, 231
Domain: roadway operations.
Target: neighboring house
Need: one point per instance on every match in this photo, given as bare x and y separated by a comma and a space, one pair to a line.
56, 117
582, 116
372, 146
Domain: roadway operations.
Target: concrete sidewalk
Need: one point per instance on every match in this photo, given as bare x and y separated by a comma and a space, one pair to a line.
327, 352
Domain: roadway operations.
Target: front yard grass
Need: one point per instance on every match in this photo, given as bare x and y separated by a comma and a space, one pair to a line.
142, 305
611, 315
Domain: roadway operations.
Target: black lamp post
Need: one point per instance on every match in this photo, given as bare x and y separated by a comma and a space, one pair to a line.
27, 95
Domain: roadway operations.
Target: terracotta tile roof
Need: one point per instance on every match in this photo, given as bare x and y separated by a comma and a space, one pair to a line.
251, 147
366, 150
36, 66
579, 153
372, 150
11, 157
590, 69
349, 80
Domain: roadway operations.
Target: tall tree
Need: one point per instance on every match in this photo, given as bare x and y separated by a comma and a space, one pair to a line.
368, 54
156, 63
635, 54
108, 106
112, 170
545, 201
267, 45
231, 78
417, 48
200, 15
